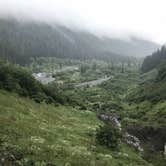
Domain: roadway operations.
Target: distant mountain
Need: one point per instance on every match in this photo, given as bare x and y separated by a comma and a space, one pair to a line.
133, 47
19, 41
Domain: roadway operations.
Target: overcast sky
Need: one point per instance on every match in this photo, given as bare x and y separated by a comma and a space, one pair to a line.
144, 18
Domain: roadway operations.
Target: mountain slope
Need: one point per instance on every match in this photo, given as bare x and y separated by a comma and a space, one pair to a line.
147, 115
153, 89
155, 60
131, 47
22, 40
40, 134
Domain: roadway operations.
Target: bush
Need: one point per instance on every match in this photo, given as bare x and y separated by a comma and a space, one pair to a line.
109, 136
17, 79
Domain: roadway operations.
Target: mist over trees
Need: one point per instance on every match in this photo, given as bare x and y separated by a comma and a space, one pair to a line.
21, 41
155, 60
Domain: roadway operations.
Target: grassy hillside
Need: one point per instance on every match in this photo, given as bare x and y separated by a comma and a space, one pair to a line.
147, 114
152, 87
40, 134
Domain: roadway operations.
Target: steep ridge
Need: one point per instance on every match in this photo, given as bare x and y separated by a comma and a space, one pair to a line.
21, 41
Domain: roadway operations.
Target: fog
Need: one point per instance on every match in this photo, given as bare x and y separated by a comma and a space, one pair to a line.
116, 18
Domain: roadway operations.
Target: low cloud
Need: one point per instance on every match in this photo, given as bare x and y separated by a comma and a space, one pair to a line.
104, 17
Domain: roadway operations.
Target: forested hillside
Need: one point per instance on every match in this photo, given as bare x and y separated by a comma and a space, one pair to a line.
155, 60
153, 87
19, 41
147, 106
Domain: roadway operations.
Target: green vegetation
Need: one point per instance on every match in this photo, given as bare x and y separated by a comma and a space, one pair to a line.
104, 96
153, 85
155, 60
153, 89
57, 124
17, 79
21, 41
34, 40
40, 134
147, 109
161, 77
109, 136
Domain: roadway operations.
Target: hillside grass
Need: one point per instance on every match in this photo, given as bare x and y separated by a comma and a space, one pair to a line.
40, 134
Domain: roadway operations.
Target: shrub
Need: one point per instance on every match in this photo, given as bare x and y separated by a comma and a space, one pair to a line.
17, 79
109, 136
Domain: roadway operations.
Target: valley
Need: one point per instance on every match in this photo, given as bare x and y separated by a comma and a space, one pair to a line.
70, 97
113, 95
60, 129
